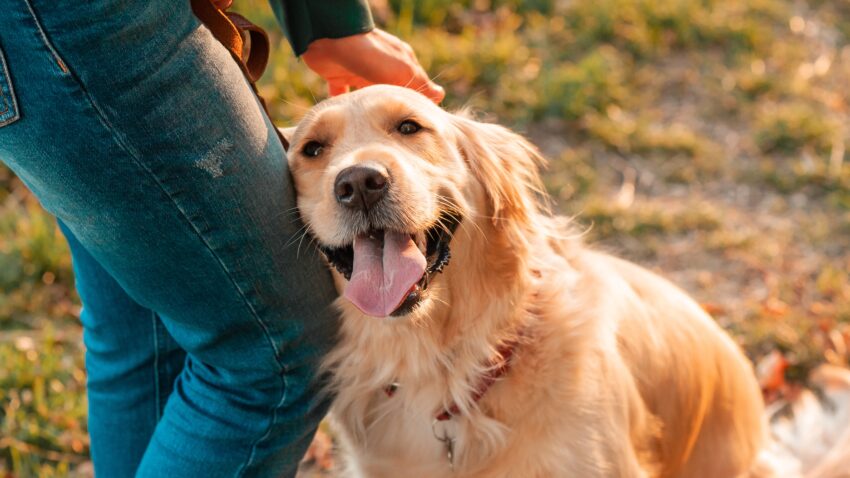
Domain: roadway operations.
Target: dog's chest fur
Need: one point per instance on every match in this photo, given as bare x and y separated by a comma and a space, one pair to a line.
517, 417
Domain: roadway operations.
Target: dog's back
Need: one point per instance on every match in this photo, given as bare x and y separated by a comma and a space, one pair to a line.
690, 375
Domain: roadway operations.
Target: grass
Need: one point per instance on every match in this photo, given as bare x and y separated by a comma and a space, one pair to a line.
702, 138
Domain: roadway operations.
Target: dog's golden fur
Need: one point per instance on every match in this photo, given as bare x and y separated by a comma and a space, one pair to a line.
618, 372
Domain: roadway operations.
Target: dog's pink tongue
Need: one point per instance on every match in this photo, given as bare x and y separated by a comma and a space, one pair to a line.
382, 276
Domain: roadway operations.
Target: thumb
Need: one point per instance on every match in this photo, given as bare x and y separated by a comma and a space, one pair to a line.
336, 87
424, 85
435, 92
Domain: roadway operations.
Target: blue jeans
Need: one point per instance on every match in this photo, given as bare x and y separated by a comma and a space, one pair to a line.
203, 321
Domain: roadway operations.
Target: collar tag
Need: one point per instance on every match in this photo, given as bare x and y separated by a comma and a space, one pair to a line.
441, 431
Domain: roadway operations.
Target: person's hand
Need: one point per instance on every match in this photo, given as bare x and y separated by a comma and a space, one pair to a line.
222, 4
367, 59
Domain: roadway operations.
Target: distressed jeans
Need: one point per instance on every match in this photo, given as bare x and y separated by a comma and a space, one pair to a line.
203, 324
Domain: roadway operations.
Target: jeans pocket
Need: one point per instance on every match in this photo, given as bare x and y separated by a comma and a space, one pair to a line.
8, 106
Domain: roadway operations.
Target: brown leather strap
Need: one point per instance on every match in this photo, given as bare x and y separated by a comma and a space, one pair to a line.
247, 43
255, 45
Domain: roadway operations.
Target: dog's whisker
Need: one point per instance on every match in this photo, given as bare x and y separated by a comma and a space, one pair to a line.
290, 103
439, 74
451, 207
300, 241
296, 233
293, 211
440, 301
296, 236
294, 217
313, 242
290, 210
285, 213
424, 320
298, 251
410, 81
477, 228
310, 90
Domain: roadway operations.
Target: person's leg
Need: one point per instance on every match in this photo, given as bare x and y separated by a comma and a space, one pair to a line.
139, 132
131, 361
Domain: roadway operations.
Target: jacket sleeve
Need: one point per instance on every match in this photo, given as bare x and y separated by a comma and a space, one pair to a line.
306, 20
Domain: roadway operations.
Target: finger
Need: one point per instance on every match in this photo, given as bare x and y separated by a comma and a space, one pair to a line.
222, 4
336, 88
406, 74
424, 85
434, 91
419, 83
431, 90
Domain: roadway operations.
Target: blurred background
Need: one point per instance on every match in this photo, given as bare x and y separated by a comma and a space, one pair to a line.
705, 139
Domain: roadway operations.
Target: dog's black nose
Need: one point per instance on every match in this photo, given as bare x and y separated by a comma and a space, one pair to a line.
360, 187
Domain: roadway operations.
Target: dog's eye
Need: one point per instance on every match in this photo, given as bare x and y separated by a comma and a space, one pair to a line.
409, 127
312, 149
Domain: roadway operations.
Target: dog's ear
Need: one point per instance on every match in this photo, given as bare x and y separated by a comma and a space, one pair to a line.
286, 135
506, 165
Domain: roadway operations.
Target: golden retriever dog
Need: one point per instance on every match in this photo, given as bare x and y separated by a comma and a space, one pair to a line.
479, 336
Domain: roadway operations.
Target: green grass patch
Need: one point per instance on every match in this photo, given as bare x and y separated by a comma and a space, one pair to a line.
788, 128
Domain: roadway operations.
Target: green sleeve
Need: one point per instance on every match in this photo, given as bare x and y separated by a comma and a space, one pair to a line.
306, 20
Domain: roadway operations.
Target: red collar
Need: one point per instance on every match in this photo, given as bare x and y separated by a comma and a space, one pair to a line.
497, 367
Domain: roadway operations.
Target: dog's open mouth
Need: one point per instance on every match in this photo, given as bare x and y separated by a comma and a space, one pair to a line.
388, 272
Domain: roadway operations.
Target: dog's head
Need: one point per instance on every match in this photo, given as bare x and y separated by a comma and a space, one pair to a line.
385, 179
